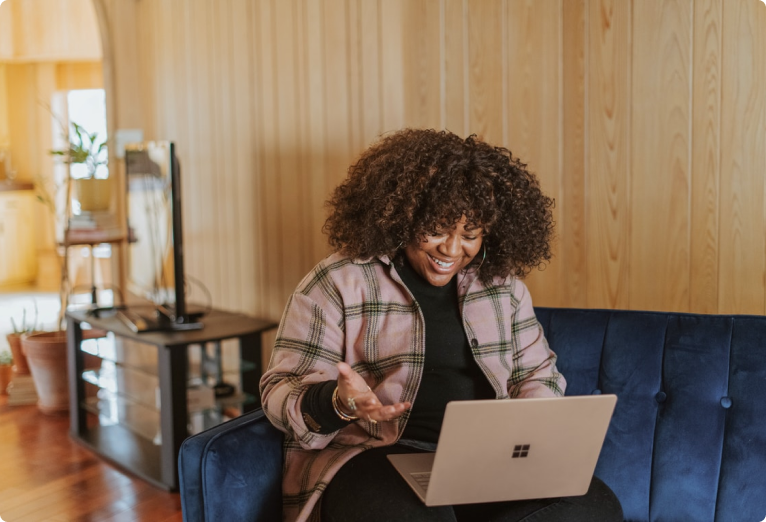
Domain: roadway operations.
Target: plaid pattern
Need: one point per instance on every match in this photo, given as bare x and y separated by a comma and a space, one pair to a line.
360, 311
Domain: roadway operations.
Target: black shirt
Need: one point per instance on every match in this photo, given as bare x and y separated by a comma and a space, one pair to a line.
450, 372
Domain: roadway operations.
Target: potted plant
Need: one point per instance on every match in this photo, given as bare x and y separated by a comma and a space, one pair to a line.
6, 365
22, 389
83, 148
46, 352
14, 340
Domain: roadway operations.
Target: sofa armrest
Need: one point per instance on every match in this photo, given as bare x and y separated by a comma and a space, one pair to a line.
232, 472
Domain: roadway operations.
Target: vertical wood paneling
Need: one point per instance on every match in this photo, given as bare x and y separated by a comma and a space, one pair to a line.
533, 115
370, 70
193, 243
608, 180
485, 69
741, 269
422, 64
573, 288
354, 74
392, 56
253, 228
317, 163
242, 193
5, 138
291, 191
79, 75
336, 61
706, 148
643, 119
454, 37
660, 154
6, 30
269, 165
49, 30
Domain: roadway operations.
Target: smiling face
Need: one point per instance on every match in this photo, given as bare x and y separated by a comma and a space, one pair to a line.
439, 257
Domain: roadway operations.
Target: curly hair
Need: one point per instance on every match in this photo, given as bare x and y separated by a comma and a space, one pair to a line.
412, 182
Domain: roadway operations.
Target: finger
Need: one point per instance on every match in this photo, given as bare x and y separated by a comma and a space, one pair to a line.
385, 413
350, 378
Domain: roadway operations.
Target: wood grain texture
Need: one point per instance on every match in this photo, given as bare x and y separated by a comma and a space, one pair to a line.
532, 109
706, 156
422, 64
741, 254
392, 57
49, 31
44, 475
660, 155
455, 67
573, 288
485, 69
608, 182
642, 118
79, 75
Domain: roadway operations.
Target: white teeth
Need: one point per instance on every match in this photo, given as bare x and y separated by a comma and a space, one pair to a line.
441, 263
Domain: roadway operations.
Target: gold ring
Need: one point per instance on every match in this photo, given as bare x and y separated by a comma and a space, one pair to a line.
371, 420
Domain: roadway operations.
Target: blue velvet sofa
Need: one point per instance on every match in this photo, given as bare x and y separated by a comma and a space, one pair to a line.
687, 442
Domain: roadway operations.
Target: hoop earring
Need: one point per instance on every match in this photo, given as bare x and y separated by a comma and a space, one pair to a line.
483, 257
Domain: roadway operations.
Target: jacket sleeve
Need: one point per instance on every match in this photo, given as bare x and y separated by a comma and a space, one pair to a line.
534, 363
309, 343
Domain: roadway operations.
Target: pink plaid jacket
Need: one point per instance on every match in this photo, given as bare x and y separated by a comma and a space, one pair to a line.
360, 312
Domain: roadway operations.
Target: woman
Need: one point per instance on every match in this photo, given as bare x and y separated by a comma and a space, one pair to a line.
421, 304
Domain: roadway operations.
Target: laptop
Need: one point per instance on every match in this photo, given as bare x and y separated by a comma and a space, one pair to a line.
513, 449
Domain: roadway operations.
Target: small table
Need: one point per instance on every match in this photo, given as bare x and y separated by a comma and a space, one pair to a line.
91, 238
157, 463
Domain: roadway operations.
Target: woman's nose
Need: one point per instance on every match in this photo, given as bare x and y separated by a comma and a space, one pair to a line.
451, 245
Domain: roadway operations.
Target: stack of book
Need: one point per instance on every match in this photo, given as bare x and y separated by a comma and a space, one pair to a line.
86, 220
22, 390
95, 226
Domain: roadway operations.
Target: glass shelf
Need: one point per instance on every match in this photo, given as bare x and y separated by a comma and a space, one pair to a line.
226, 408
112, 409
125, 352
133, 385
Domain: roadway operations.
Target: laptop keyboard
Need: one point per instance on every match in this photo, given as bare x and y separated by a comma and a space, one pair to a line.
422, 478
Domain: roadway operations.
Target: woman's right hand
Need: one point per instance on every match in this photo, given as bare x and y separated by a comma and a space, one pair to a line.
351, 385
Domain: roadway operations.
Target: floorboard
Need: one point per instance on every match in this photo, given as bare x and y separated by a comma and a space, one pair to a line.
47, 477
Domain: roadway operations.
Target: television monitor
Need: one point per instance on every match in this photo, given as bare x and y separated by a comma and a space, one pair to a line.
156, 297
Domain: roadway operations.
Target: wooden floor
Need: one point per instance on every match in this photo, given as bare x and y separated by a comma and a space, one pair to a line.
45, 476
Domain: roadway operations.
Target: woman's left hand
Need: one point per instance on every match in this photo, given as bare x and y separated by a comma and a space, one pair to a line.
356, 398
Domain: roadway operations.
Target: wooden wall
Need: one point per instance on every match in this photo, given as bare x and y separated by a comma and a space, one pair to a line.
48, 30
644, 119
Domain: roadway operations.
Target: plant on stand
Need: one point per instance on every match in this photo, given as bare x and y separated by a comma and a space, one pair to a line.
83, 148
46, 352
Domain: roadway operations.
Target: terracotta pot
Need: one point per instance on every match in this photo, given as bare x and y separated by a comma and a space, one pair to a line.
47, 357
6, 371
20, 365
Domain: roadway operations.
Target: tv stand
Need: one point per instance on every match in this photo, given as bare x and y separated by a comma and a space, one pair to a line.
144, 399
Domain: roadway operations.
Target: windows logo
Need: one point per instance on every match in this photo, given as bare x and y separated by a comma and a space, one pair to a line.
520, 451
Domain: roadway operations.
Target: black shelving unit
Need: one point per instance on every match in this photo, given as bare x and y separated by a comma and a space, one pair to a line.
141, 429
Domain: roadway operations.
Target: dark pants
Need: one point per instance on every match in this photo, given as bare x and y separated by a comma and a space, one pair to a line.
369, 489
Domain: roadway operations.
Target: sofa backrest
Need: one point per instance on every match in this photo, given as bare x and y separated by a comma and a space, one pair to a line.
688, 438
687, 441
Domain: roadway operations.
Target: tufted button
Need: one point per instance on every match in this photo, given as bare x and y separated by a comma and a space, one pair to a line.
660, 397
726, 402
596, 392
474, 343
